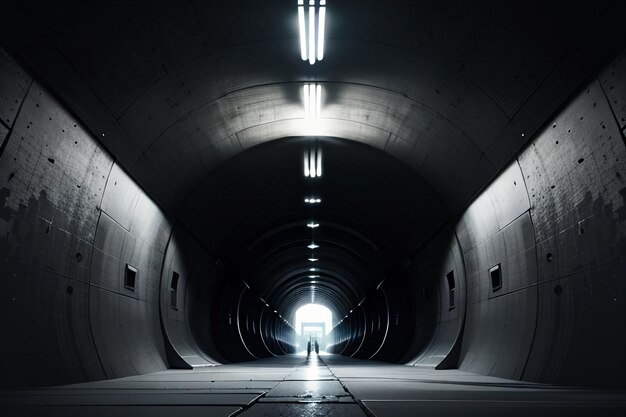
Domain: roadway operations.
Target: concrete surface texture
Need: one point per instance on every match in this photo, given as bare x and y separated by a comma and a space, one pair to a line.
470, 238
327, 385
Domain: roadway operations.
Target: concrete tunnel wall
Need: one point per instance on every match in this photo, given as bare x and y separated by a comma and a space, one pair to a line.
72, 220
554, 220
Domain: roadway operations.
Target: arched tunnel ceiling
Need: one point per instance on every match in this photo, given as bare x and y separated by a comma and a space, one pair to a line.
176, 89
173, 89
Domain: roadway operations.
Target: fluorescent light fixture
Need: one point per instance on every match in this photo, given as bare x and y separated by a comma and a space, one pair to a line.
313, 259
307, 171
311, 32
302, 25
312, 163
307, 101
312, 200
312, 166
313, 246
312, 269
319, 163
311, 46
320, 30
312, 97
318, 101
313, 225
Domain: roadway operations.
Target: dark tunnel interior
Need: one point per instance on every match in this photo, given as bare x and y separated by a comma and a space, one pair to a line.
447, 179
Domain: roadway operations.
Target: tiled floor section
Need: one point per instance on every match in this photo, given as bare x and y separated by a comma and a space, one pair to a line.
296, 386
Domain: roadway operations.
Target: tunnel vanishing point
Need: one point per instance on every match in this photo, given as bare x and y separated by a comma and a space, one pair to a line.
178, 178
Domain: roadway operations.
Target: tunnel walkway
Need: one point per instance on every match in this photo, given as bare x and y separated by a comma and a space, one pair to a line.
295, 385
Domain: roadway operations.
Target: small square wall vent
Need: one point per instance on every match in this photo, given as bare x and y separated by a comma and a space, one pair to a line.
451, 288
496, 277
130, 276
174, 290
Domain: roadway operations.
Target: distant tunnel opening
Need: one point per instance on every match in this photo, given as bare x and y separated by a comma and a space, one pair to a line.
313, 322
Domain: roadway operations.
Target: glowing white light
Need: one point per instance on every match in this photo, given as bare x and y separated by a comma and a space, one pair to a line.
318, 101
320, 30
308, 41
312, 32
313, 246
312, 166
312, 269
312, 200
313, 225
313, 259
313, 113
312, 97
302, 25
313, 163
307, 102
319, 162
306, 170
314, 313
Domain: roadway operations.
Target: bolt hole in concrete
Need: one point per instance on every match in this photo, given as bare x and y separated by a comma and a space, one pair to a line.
549, 257
558, 289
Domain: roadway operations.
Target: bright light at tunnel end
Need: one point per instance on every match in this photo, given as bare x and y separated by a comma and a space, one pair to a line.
313, 313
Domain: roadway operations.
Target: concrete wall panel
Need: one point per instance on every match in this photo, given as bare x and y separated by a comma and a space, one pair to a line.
63, 257
48, 215
497, 230
185, 257
137, 307
445, 256
126, 332
575, 174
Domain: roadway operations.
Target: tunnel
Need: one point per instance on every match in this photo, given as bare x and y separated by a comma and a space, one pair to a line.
439, 184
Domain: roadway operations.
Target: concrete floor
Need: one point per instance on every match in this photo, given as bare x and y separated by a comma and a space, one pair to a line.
294, 385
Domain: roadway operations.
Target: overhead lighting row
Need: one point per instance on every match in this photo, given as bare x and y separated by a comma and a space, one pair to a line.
312, 24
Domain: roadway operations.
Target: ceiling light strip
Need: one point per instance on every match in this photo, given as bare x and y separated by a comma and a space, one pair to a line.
312, 32
302, 26
320, 30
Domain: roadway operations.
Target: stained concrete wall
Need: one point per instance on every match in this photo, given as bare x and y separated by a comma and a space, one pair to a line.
70, 221
125, 322
554, 220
